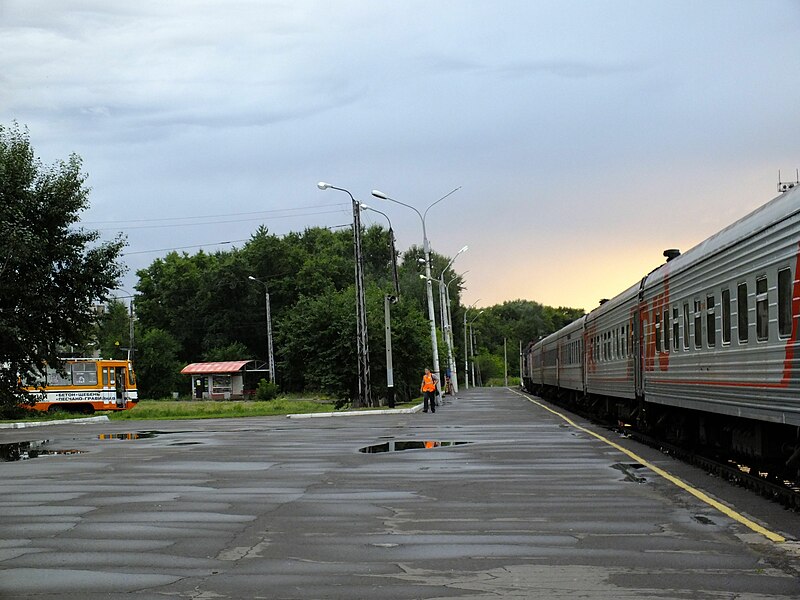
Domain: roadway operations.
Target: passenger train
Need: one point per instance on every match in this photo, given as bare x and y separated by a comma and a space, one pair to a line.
702, 349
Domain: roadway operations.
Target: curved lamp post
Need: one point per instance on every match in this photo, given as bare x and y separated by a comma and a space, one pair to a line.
472, 345
466, 353
364, 391
447, 327
450, 329
387, 312
429, 288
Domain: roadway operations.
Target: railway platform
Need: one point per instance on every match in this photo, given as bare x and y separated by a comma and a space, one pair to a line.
495, 495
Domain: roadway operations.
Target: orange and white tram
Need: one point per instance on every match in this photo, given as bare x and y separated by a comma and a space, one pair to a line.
88, 384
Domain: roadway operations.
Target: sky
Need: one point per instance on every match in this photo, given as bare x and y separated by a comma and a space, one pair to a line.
585, 137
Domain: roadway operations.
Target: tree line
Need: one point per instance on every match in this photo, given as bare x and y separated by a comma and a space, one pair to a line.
204, 306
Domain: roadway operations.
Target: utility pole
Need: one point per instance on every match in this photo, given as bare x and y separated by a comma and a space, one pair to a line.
364, 391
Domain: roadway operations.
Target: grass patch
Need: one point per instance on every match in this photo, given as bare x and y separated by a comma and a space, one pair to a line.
211, 409
222, 409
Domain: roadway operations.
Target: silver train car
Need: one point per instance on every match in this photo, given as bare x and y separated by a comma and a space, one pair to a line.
704, 348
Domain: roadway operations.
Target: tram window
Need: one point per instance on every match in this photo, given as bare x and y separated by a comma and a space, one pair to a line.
685, 325
698, 325
762, 309
711, 321
55, 378
742, 319
84, 374
726, 317
676, 329
785, 302
666, 330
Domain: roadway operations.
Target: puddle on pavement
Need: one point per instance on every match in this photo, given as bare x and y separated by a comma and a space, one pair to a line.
33, 449
37, 448
394, 446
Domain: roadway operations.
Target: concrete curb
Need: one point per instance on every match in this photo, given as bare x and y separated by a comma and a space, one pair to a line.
357, 413
102, 419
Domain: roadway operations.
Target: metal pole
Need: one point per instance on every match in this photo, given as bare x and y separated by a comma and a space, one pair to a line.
387, 318
269, 337
364, 397
505, 363
130, 349
451, 344
472, 354
472, 344
364, 391
466, 353
431, 312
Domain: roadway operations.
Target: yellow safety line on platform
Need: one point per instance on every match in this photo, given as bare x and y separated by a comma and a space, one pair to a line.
681, 484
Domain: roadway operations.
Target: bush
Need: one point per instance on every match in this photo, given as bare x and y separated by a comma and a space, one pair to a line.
266, 390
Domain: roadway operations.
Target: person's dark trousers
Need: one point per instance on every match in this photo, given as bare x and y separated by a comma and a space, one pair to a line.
429, 398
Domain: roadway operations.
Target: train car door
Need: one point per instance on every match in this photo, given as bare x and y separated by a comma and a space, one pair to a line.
119, 385
638, 344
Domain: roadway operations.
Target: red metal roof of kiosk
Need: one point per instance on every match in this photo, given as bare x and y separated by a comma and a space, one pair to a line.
231, 366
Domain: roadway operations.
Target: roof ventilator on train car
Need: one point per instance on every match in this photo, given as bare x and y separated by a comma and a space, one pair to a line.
672, 253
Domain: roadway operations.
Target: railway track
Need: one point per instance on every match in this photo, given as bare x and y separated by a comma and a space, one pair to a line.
758, 479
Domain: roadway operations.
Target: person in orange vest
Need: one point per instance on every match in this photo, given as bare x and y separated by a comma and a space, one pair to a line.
428, 389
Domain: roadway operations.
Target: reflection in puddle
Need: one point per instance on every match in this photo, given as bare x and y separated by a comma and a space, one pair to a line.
126, 436
28, 450
394, 446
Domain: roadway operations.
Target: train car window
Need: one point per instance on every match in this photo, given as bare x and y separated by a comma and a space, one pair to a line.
666, 330
726, 317
55, 378
676, 328
623, 342
762, 310
84, 373
742, 318
657, 331
685, 325
785, 302
698, 324
711, 321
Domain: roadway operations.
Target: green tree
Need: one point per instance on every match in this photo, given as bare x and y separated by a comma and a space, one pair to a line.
52, 271
233, 351
158, 366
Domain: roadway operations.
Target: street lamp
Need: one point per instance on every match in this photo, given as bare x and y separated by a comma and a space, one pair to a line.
428, 286
466, 354
450, 328
364, 391
388, 300
444, 302
472, 345
270, 357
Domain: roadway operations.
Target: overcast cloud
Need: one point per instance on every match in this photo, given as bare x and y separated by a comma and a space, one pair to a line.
586, 136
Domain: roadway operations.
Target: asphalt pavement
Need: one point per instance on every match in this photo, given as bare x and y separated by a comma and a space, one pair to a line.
493, 496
